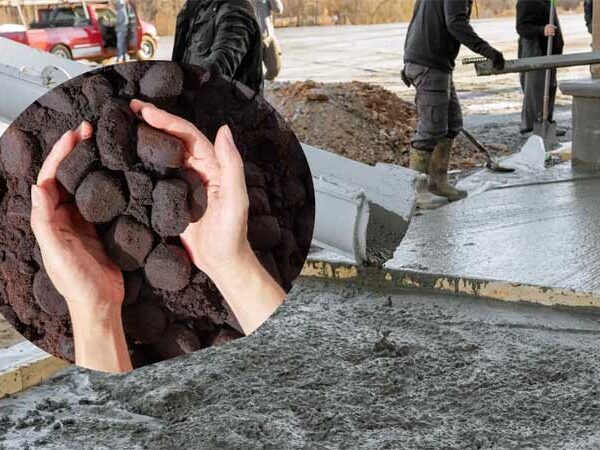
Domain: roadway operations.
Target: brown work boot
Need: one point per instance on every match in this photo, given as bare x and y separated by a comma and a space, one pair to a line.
419, 160
438, 172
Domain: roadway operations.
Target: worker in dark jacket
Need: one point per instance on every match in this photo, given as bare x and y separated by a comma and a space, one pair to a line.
533, 29
222, 36
588, 10
435, 33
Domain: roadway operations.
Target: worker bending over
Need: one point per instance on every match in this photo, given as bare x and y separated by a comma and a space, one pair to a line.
533, 29
435, 33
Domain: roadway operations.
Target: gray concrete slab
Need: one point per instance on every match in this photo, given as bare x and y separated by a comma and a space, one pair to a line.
540, 234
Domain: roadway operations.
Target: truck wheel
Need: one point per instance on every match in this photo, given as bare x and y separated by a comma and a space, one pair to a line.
62, 51
147, 48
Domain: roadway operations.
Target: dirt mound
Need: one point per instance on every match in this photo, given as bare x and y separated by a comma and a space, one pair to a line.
357, 120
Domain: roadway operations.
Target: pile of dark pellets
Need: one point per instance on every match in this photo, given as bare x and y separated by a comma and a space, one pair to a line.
129, 180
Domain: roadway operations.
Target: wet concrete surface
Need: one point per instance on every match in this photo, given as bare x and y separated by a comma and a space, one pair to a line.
341, 367
543, 234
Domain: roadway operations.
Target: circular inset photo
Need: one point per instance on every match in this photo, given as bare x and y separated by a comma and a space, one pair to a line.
148, 210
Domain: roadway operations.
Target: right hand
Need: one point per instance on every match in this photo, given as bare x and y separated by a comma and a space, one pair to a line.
497, 59
218, 242
550, 30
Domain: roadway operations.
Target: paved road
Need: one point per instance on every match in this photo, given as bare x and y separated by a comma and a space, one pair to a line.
374, 52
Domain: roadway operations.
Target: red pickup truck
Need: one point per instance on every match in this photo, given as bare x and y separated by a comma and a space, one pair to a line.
83, 30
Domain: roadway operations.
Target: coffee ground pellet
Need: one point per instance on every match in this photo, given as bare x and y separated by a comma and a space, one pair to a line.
158, 149
101, 196
170, 208
168, 268
170, 306
128, 242
73, 169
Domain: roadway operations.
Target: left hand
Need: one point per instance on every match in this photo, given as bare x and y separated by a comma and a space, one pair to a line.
72, 252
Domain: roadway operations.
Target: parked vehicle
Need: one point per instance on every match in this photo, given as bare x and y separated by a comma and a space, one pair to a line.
81, 29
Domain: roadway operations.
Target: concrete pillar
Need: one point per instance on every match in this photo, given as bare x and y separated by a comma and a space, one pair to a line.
596, 37
586, 111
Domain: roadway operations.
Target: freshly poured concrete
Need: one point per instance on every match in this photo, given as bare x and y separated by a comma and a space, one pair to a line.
342, 367
543, 234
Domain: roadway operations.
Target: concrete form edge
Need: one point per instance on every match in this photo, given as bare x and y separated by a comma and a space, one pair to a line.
489, 289
19, 378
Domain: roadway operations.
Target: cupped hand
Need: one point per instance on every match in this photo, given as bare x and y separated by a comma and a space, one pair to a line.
217, 243
72, 252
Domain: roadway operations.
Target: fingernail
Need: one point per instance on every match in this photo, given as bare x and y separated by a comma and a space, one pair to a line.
35, 199
228, 134
83, 132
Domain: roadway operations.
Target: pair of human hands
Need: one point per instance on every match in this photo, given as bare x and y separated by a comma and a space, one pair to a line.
92, 285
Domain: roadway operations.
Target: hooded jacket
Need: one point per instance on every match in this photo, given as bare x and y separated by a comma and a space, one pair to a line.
436, 31
222, 36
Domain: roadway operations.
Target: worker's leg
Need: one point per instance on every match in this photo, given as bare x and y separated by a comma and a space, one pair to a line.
455, 117
533, 87
553, 87
121, 45
440, 159
272, 58
432, 99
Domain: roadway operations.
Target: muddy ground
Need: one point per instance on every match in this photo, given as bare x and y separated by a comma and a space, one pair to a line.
341, 367
371, 124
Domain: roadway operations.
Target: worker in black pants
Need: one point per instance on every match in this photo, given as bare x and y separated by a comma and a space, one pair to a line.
533, 29
222, 36
588, 10
435, 34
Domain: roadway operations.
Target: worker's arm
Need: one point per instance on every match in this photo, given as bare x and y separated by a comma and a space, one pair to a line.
527, 22
458, 23
588, 9
276, 6
232, 39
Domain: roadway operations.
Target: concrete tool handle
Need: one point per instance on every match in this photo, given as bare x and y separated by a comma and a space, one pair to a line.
549, 49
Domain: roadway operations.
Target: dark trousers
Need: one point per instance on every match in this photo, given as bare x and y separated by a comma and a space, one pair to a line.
439, 115
122, 42
532, 84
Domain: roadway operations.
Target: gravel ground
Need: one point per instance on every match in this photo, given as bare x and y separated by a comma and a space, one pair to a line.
343, 367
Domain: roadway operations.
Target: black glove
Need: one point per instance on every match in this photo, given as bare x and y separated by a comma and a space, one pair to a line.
405, 78
497, 59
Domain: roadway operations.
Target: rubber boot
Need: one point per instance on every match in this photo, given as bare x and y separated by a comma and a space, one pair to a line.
419, 162
438, 172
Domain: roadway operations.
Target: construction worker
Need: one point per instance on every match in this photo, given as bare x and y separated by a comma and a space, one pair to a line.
435, 33
271, 49
588, 9
122, 29
222, 36
533, 29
